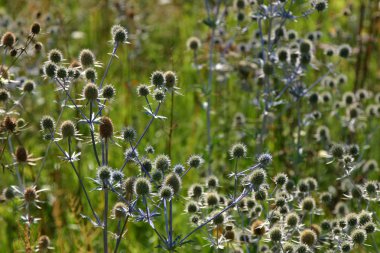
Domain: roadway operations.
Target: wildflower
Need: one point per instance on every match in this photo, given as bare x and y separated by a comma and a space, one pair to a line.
55, 56
162, 162
119, 34
170, 79
166, 192
195, 161
308, 237
258, 228
86, 58
174, 181
68, 129
142, 186
90, 92
319, 5
191, 207
238, 150
275, 234
108, 92
143, 90
358, 236
129, 134
157, 79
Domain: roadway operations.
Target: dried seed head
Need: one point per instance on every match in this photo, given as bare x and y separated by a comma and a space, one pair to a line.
142, 186
128, 186
258, 228
30, 194
9, 124
90, 92
68, 129
8, 39
119, 210
21, 155
105, 127
261, 194
268, 69
86, 58
43, 243
35, 28
280, 179
38, 46
13, 52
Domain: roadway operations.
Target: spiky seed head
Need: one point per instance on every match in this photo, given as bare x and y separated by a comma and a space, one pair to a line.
195, 191
305, 46
308, 237
358, 236
212, 182
370, 227
280, 202
170, 79
61, 72
289, 247
157, 175
261, 194
275, 234
90, 92
35, 28
178, 169
8, 39
219, 219
346, 246
257, 177
90, 74
8, 193
282, 54
104, 173
354, 150
191, 207
119, 34
352, 219
129, 134
308, 204
108, 91
166, 192
194, 219
142, 186
312, 183
149, 149
157, 79
364, 217
238, 150
292, 219
320, 5
55, 56
28, 86
43, 243
143, 90
212, 199
193, 43
38, 47
21, 154
105, 127
162, 162
174, 181
67, 129
326, 197
128, 185
119, 210
30, 194
371, 187
280, 179
344, 51
9, 124
258, 228
337, 151
131, 154
86, 58
325, 225
50, 69
302, 248
117, 176
4, 95
147, 165
265, 159
357, 192
195, 161
158, 95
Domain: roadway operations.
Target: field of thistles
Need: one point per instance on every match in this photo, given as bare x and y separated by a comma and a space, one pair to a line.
190, 126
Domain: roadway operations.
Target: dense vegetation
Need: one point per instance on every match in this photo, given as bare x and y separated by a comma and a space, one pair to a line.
216, 126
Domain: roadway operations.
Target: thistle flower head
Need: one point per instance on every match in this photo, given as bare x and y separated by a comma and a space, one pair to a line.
238, 151
108, 91
90, 92
35, 28
105, 128
166, 192
162, 162
55, 56
119, 210
86, 58
174, 181
68, 129
104, 173
8, 39
195, 161
157, 79
193, 43
119, 34
142, 186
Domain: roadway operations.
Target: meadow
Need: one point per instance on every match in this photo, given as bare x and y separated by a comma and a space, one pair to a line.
181, 126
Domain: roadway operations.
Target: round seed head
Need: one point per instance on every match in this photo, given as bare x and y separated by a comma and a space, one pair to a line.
337, 151
219, 219
142, 186
157, 79
257, 177
174, 181
147, 165
166, 192
119, 34
50, 69
86, 58
129, 134
108, 92
143, 90
119, 210
67, 129
157, 175
305, 46
104, 173
292, 219
275, 234
195, 191
268, 69
106, 127
62, 72
117, 176
8, 39
325, 197
43, 243
265, 159
8, 193
38, 47
35, 28
212, 182
91, 92
30, 194
261, 194
90, 74
344, 51
346, 246
370, 227
364, 218
159, 95
238, 150
162, 162
308, 204
128, 185
4, 95
191, 207
320, 5
212, 199
55, 56
21, 155
195, 161
179, 169
358, 236
281, 179
258, 228
193, 43
170, 79
308, 237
